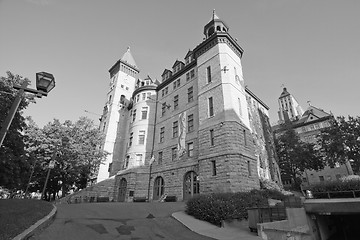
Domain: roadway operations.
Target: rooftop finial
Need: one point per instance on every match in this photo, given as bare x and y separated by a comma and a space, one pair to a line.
128, 48
214, 14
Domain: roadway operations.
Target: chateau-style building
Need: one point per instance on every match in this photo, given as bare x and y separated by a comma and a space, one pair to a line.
197, 130
308, 126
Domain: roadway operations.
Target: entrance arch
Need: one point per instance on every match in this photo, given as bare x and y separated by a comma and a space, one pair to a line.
122, 190
191, 185
158, 188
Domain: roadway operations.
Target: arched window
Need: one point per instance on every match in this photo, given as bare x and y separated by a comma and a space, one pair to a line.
122, 99
191, 185
158, 188
218, 28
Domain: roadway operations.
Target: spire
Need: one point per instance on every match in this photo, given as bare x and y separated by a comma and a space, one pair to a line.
214, 15
128, 58
215, 25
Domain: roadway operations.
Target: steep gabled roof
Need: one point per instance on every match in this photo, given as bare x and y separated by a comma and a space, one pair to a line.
188, 53
177, 62
313, 113
284, 93
165, 71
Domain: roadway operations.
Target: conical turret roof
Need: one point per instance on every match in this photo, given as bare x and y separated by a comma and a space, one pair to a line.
128, 58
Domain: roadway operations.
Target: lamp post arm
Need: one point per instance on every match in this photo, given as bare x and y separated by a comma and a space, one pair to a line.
7, 122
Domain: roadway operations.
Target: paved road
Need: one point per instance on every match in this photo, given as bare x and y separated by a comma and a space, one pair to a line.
133, 221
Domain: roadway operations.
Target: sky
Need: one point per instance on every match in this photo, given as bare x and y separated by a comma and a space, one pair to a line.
312, 47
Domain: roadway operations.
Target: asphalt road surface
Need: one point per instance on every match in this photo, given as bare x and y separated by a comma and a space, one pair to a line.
133, 221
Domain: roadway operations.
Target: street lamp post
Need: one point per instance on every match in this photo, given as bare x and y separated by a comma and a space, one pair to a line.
45, 82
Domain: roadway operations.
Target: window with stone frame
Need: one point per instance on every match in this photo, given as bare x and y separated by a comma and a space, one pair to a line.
176, 102
163, 108
188, 76
212, 139
144, 112
211, 106
160, 158
175, 129
143, 96
174, 153
190, 94
208, 74
139, 159
190, 149
134, 115
131, 139
162, 134
249, 167
240, 110
213, 166
192, 73
141, 137
190, 122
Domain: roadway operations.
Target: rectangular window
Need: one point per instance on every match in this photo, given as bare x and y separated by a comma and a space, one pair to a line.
174, 153
244, 134
176, 102
162, 134
175, 129
321, 178
190, 149
131, 139
211, 107
134, 115
148, 95
143, 96
163, 92
160, 158
188, 76
249, 168
178, 82
190, 94
126, 164
240, 111
213, 164
208, 74
192, 73
212, 142
141, 137
166, 90
190, 122
163, 109
137, 97
144, 112
174, 85
139, 159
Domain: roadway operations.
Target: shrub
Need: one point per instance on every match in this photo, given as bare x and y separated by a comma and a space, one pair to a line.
216, 207
337, 188
271, 185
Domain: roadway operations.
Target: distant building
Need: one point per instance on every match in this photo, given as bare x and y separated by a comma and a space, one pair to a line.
308, 125
198, 130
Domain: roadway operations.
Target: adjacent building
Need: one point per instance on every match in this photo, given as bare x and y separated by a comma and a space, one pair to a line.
197, 130
308, 125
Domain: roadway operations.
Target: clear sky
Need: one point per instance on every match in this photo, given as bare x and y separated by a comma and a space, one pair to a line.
310, 46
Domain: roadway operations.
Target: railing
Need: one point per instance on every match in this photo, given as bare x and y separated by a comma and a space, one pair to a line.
335, 194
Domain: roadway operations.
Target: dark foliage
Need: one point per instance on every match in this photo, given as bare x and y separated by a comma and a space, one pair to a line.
216, 207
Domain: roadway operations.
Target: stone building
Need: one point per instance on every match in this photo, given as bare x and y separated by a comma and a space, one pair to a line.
308, 125
198, 130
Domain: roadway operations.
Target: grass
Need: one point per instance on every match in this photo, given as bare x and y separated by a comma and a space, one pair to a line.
16, 215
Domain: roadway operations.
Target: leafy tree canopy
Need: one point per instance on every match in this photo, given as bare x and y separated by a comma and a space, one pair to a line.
13, 163
341, 142
73, 146
295, 156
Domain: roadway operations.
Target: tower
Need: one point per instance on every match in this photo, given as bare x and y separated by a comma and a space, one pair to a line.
288, 107
115, 118
223, 112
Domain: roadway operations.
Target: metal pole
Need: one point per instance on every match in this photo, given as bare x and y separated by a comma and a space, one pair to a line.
13, 109
32, 172
149, 182
47, 178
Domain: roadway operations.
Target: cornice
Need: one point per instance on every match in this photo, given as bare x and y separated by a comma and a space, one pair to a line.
125, 63
218, 37
143, 88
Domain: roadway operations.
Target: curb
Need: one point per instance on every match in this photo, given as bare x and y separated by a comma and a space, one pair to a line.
42, 223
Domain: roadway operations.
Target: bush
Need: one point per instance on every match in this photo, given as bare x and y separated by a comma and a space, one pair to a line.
216, 207
337, 188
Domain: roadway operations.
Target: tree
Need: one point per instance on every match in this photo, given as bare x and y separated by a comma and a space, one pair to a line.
13, 160
74, 147
341, 143
296, 156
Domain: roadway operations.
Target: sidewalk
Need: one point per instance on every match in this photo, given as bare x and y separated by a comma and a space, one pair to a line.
210, 230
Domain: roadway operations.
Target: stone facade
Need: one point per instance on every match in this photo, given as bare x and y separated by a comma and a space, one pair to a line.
203, 130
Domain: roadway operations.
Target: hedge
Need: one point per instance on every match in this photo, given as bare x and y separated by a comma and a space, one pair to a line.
216, 207
336, 189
